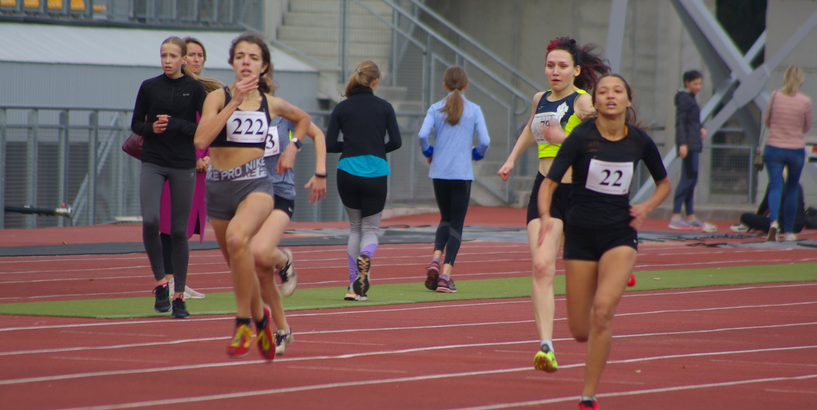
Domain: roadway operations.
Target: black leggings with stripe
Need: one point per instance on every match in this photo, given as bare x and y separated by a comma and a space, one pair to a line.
452, 199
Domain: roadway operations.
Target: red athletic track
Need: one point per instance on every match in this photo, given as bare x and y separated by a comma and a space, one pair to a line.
747, 347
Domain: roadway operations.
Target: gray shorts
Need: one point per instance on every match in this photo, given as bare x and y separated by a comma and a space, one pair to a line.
226, 189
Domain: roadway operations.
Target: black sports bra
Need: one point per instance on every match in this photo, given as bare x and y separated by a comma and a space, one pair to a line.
246, 129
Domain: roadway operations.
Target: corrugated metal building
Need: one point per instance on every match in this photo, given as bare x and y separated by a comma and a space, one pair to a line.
55, 65
98, 69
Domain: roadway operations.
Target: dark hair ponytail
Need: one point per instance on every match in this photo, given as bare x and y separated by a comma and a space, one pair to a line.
591, 63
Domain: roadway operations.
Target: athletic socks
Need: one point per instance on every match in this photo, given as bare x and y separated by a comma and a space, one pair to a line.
242, 321
261, 324
588, 398
548, 343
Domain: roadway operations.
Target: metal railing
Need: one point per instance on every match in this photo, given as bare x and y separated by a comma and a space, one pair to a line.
46, 154
416, 58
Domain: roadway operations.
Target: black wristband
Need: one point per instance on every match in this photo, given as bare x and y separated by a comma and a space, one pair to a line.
320, 175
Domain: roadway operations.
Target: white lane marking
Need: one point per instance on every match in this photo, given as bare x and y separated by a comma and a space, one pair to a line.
300, 341
425, 307
97, 359
347, 369
403, 351
792, 391
75, 332
255, 393
639, 392
755, 363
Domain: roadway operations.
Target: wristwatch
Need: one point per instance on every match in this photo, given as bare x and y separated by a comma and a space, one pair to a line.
297, 143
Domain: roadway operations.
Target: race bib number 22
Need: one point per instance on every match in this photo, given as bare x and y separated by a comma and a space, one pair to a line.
612, 178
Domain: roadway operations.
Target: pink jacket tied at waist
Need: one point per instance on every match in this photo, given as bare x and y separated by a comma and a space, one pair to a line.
790, 119
198, 211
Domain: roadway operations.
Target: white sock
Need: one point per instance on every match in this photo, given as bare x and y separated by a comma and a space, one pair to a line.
548, 343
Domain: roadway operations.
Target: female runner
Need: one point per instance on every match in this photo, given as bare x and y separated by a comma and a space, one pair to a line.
234, 124
600, 235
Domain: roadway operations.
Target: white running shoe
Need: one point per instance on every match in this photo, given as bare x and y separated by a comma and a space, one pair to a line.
773, 230
739, 228
189, 293
289, 279
282, 339
787, 237
679, 224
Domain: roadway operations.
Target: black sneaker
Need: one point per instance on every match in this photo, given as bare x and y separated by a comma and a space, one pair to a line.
361, 284
180, 309
288, 277
162, 298
432, 275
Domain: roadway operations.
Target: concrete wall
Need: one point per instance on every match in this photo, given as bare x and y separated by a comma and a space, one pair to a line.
656, 49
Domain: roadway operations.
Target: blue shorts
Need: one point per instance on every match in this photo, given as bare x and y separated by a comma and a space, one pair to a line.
590, 243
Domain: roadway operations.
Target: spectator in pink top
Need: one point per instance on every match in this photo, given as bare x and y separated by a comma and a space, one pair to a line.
788, 116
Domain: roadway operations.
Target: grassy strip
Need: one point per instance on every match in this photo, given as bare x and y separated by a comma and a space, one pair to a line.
404, 293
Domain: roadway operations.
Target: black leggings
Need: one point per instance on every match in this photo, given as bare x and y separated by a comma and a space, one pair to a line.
182, 186
452, 199
366, 194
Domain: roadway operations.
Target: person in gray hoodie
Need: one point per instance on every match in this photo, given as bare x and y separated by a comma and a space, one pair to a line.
689, 136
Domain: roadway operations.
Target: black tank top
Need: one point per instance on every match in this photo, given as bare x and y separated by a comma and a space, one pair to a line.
246, 129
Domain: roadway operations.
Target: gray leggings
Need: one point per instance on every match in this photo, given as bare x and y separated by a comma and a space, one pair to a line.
182, 186
362, 237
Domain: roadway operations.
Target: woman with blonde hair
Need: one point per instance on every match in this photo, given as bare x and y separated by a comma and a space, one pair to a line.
165, 114
194, 60
362, 176
455, 121
788, 117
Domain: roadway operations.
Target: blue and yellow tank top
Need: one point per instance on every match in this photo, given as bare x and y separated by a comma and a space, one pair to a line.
566, 114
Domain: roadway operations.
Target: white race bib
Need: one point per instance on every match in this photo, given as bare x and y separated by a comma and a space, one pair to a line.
247, 127
548, 119
611, 178
273, 146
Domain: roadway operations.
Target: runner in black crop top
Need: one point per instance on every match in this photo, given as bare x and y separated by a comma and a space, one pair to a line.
247, 129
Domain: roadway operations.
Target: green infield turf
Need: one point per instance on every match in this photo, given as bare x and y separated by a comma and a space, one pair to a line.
404, 293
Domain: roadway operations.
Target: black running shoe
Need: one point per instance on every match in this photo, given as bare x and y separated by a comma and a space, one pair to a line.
180, 309
162, 298
432, 275
361, 284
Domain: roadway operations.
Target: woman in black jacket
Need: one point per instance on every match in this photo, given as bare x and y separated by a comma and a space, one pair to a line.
362, 170
689, 136
165, 114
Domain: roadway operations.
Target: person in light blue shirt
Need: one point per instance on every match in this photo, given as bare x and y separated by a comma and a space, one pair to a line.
454, 120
